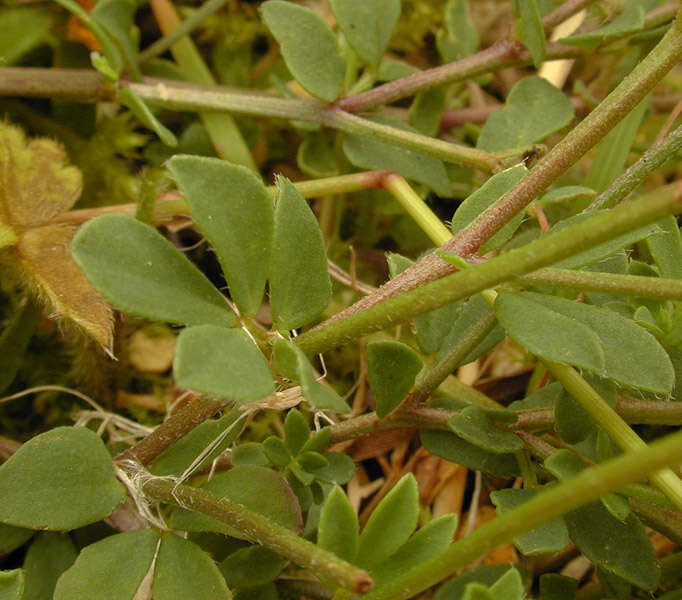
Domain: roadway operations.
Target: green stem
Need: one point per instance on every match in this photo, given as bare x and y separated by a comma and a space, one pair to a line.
653, 158
587, 486
183, 29
609, 283
609, 420
171, 430
261, 530
514, 263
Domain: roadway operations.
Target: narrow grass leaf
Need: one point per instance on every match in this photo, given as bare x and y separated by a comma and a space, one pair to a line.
222, 362
391, 523
534, 110
183, 570
530, 29
338, 527
491, 191
300, 287
231, 207
545, 539
367, 25
117, 564
256, 488
549, 334
140, 272
309, 48
632, 356
392, 368
60, 480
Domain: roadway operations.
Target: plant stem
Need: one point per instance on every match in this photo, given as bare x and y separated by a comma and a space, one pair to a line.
160, 46
666, 520
609, 420
567, 152
261, 530
653, 158
520, 261
172, 430
548, 504
609, 283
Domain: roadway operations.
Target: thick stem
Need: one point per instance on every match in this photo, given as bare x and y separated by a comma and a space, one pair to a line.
593, 128
548, 504
520, 261
261, 530
172, 430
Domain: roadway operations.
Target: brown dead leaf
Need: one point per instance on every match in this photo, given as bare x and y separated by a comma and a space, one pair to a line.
44, 255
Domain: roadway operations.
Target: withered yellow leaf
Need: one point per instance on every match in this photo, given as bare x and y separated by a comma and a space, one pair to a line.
45, 256
36, 184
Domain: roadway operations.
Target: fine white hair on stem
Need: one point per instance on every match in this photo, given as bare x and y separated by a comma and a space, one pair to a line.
134, 476
320, 415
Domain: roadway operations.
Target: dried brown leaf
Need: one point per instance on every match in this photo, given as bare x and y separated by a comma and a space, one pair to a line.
45, 256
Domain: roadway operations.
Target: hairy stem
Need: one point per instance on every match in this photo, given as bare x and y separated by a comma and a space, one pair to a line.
514, 263
261, 530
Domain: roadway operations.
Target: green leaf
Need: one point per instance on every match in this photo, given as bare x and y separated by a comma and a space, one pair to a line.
485, 196
390, 524
549, 537
622, 548
117, 564
11, 584
222, 362
340, 469
23, 28
316, 156
367, 152
231, 207
426, 543
251, 566
296, 431
14, 341
338, 527
367, 25
530, 29
475, 426
547, 333
573, 423
256, 488
613, 150
486, 575
557, 587
392, 368
249, 453
12, 537
666, 248
508, 587
471, 313
139, 271
534, 110
633, 357
276, 451
294, 365
600, 251
308, 46
176, 459
426, 110
48, 557
146, 117
61, 479
630, 20
453, 448
183, 570
566, 193
319, 441
300, 287
460, 37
